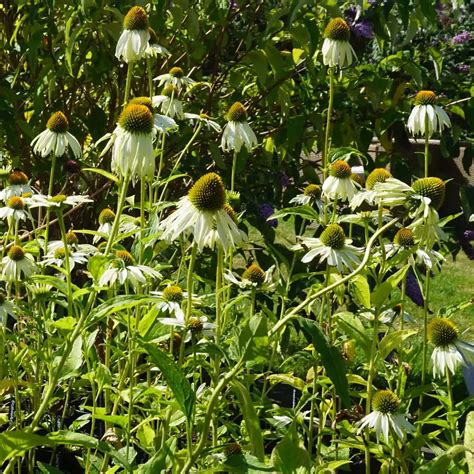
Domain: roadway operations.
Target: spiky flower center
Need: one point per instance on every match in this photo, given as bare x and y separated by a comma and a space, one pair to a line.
386, 402
333, 236
236, 113
254, 274
340, 169
425, 98
378, 175
337, 29
16, 253
71, 238
313, 190
153, 36
233, 449
433, 188
208, 193
125, 256
169, 91
136, 119
146, 101
204, 117
136, 19
176, 72
357, 178
195, 325
58, 123
60, 253
17, 177
229, 210
58, 199
106, 216
442, 332
404, 237
16, 203
173, 293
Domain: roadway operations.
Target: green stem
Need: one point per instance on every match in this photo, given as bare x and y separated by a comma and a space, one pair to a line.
327, 137
424, 362
234, 166
450, 416
150, 76
67, 263
427, 149
118, 214
50, 193
142, 219
128, 83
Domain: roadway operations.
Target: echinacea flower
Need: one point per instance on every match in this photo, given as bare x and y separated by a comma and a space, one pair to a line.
204, 119
123, 270
253, 277
237, 132
385, 418
56, 138
378, 175
331, 246
337, 50
133, 41
202, 213
311, 195
449, 351
196, 326
56, 255
106, 221
154, 49
339, 185
426, 117
17, 264
174, 77
14, 210
169, 103
172, 297
213, 236
54, 202
162, 123
17, 185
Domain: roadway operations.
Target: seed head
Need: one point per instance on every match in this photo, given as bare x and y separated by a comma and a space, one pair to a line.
17, 177
433, 188
16, 253
58, 199
357, 179
208, 193
337, 29
136, 19
236, 113
378, 175
386, 402
173, 293
176, 72
313, 190
404, 237
58, 123
16, 203
232, 449
71, 238
60, 253
254, 274
442, 332
195, 325
136, 119
230, 212
125, 256
169, 91
340, 169
146, 101
425, 98
106, 216
333, 236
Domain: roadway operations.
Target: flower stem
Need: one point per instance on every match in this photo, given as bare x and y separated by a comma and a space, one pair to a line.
427, 149
67, 263
424, 363
120, 204
128, 82
451, 418
150, 76
327, 137
50, 193
234, 166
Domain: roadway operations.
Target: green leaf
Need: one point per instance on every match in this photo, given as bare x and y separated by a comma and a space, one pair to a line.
48, 469
469, 440
73, 361
361, 290
67, 323
289, 455
176, 380
288, 379
102, 172
244, 463
306, 212
346, 153
353, 327
440, 464
394, 339
331, 358
383, 291
252, 421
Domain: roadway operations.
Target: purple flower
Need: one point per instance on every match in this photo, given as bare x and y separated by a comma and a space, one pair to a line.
463, 68
462, 38
266, 210
350, 13
469, 234
413, 290
363, 29
284, 179
465, 242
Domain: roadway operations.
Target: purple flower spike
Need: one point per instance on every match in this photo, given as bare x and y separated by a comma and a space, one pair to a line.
266, 210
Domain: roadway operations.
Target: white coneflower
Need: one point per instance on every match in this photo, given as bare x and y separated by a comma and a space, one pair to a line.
331, 246
213, 236
56, 138
172, 297
73, 242
385, 417
205, 119
106, 221
337, 51
196, 326
7, 308
449, 351
154, 49
389, 315
426, 117
14, 210
368, 195
168, 102
60, 200
133, 41
17, 185
237, 131
56, 255
311, 195
174, 77
202, 212
253, 277
339, 184
17, 264
122, 269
